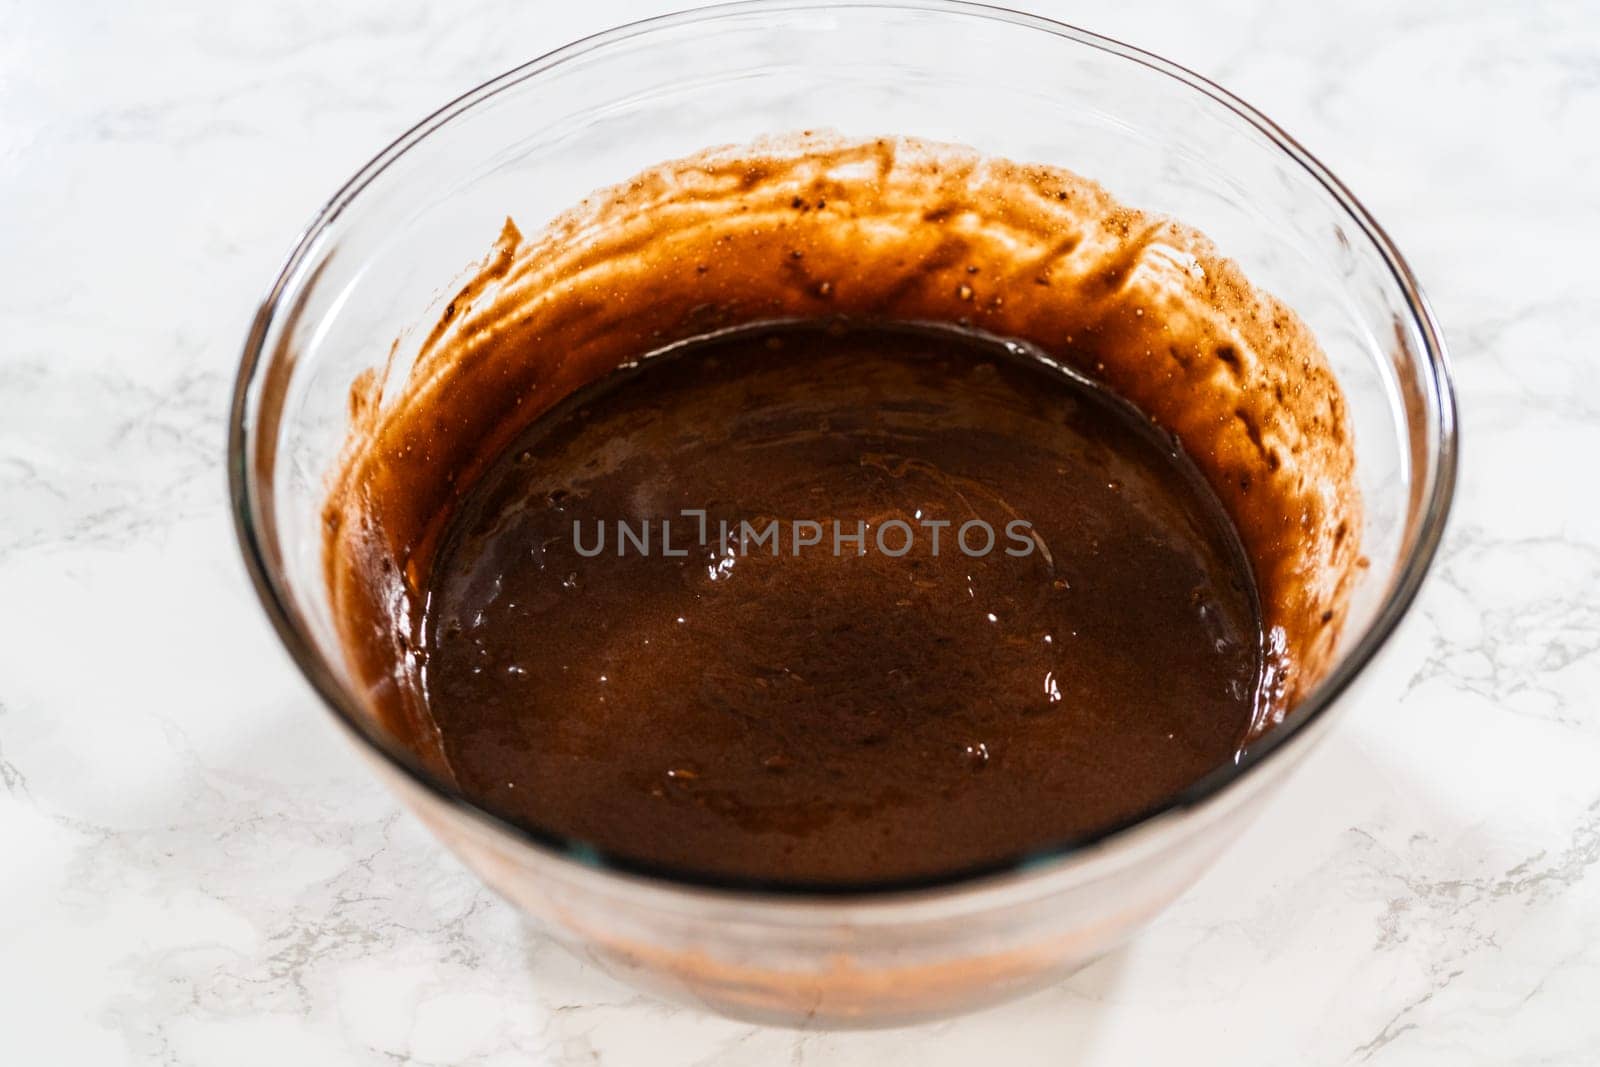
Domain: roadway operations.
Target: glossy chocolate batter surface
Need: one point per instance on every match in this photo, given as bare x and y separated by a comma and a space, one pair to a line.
838, 711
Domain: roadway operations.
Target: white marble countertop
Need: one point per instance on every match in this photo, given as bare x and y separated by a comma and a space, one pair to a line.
196, 869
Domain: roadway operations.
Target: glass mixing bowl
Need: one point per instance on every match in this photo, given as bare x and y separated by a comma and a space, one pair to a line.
380, 257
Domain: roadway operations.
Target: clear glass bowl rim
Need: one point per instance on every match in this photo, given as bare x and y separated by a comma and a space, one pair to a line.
1439, 474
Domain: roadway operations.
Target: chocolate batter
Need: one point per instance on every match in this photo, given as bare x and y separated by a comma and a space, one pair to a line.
842, 719
884, 712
